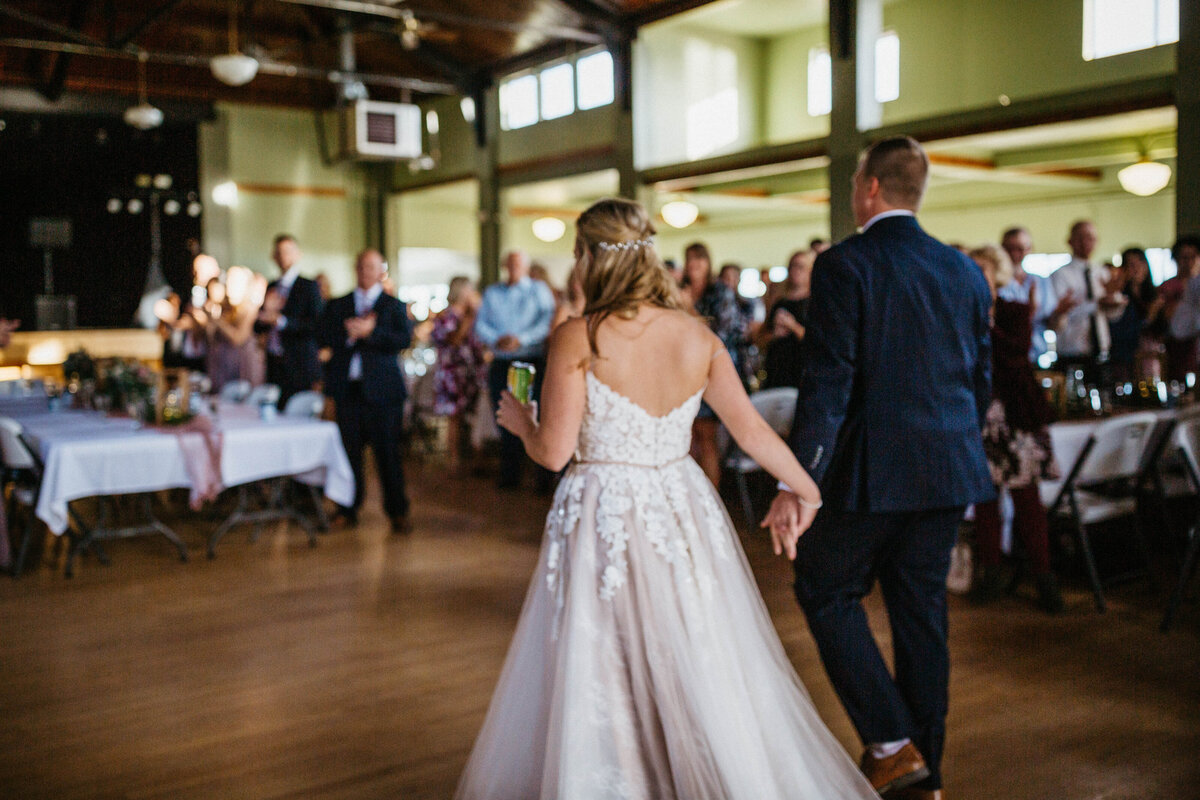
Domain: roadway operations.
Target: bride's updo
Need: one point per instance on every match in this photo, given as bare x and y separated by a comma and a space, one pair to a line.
618, 267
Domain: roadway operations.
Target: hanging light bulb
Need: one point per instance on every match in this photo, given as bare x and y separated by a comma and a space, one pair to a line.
234, 68
680, 213
549, 229
1144, 178
143, 116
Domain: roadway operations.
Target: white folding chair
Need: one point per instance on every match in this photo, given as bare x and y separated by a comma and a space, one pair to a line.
263, 394
307, 405
23, 472
1101, 485
777, 407
1187, 439
235, 391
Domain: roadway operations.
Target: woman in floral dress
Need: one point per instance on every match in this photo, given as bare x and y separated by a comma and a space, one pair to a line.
460, 362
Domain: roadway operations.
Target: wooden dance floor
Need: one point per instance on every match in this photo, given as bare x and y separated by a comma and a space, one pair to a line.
362, 668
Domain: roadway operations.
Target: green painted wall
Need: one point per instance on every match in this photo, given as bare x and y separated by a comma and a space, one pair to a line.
664, 88
786, 90
278, 147
958, 56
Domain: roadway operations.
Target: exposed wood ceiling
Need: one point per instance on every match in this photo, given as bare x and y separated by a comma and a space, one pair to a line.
400, 47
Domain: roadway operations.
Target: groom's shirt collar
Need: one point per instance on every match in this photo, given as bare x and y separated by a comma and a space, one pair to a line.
895, 212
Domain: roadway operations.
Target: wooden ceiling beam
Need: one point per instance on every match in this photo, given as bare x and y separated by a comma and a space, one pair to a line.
67, 32
52, 89
136, 30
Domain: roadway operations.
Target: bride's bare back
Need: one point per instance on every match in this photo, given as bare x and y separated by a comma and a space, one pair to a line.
658, 359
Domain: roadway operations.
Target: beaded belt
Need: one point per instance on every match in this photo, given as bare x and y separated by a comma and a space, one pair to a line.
590, 463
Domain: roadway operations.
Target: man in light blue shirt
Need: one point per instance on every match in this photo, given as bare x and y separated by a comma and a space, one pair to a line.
1018, 243
514, 321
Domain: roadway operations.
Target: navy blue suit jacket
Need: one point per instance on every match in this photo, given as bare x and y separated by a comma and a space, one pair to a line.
898, 374
382, 381
298, 337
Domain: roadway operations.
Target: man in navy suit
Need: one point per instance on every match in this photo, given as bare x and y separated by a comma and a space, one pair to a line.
289, 319
888, 420
366, 330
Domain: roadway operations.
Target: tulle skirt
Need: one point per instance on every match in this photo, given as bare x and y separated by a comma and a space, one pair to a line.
645, 664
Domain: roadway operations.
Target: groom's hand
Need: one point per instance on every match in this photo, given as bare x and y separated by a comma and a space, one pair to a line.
786, 521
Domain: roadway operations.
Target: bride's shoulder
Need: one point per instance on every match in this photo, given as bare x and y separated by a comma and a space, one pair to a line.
571, 336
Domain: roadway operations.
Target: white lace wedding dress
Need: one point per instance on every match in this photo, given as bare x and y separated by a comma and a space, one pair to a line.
644, 664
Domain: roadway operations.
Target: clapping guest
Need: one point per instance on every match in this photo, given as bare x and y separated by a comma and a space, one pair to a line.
1141, 314
289, 319
514, 321
717, 303
232, 347
1181, 296
1087, 303
1016, 441
461, 366
784, 331
1033, 290
365, 331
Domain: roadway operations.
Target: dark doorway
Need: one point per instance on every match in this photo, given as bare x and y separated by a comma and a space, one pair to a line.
95, 172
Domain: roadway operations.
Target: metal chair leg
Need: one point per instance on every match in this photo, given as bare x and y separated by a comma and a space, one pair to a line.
1089, 560
1186, 572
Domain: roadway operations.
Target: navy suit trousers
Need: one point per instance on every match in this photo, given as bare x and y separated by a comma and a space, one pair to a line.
837, 562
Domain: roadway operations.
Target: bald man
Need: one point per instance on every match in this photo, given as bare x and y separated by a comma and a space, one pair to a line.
366, 330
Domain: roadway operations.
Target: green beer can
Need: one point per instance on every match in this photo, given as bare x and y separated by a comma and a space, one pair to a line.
520, 380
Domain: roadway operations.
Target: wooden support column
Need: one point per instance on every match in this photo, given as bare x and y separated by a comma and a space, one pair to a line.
488, 159
622, 52
853, 27
1187, 103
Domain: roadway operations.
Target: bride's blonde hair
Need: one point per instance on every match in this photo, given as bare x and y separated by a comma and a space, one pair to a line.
618, 267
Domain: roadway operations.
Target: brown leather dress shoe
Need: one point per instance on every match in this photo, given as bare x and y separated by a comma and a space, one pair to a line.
899, 770
913, 793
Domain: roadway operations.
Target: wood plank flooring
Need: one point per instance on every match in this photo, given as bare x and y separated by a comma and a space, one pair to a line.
362, 668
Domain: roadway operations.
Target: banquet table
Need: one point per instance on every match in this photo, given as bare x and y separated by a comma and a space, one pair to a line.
89, 454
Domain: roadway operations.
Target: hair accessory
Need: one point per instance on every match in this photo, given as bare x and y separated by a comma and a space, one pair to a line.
623, 246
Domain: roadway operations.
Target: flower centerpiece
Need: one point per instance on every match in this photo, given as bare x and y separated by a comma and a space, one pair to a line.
127, 385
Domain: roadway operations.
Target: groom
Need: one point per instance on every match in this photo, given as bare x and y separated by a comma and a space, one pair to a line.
888, 423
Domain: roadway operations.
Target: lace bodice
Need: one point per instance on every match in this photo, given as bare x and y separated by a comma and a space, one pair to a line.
615, 429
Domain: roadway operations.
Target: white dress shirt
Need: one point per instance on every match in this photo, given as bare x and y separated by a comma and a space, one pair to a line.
363, 303
895, 212
1074, 331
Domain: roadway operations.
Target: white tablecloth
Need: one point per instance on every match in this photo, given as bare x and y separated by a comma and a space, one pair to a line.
87, 454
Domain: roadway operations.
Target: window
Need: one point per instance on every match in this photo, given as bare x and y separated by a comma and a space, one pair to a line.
820, 82
519, 102
887, 67
1111, 27
1044, 264
558, 91
594, 76
887, 74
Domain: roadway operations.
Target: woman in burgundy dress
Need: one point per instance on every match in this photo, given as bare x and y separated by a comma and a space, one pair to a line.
1017, 442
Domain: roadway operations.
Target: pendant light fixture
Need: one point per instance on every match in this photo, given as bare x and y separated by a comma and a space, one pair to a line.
235, 68
143, 116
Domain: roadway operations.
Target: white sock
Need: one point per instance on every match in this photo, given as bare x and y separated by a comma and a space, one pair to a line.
886, 749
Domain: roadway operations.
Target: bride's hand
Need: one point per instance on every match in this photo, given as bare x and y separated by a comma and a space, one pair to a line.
516, 418
787, 520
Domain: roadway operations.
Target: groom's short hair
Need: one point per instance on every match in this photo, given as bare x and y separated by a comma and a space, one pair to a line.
902, 169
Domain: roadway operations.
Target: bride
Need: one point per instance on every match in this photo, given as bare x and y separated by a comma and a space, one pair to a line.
644, 664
